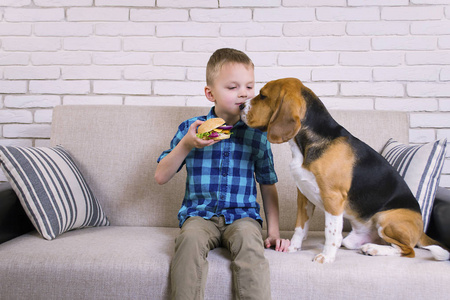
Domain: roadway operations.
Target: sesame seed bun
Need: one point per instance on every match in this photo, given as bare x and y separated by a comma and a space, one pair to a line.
210, 124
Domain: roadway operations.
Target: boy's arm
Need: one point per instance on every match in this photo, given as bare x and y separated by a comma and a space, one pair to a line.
270, 201
170, 164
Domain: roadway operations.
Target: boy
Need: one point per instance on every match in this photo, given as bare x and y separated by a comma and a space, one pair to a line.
219, 207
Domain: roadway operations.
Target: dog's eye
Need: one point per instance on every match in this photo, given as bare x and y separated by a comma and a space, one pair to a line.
262, 97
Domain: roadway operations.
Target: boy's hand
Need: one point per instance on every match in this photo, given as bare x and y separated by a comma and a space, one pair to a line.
191, 140
280, 244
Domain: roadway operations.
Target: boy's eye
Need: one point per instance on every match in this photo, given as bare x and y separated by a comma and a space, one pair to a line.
231, 87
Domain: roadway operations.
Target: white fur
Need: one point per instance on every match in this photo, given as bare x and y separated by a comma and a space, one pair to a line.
304, 179
362, 233
300, 233
333, 238
363, 236
355, 240
380, 250
244, 111
307, 184
438, 252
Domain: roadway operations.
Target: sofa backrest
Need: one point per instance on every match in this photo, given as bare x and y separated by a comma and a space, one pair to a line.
116, 148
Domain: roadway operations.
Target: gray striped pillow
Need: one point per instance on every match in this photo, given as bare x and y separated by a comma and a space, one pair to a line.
51, 189
421, 167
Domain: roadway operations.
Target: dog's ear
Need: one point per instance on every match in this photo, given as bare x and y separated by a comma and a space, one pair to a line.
286, 120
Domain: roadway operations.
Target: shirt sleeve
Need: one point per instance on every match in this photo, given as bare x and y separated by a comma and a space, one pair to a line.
181, 132
264, 166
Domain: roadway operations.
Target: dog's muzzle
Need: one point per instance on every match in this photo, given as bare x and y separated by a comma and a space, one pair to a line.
244, 109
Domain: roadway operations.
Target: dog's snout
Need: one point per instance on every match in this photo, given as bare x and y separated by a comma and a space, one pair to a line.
242, 106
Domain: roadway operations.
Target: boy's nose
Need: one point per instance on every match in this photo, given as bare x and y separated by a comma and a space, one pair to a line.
243, 93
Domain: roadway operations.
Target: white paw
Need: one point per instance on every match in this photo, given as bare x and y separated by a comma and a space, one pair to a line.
292, 249
382, 250
369, 249
322, 258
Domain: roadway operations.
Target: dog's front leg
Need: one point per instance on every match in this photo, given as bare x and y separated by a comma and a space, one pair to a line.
305, 210
333, 238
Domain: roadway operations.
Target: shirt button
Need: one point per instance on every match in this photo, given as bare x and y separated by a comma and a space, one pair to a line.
224, 174
226, 154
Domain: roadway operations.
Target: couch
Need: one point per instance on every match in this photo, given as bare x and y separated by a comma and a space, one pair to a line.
115, 149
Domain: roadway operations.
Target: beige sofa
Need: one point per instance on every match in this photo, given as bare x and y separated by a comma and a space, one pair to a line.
116, 148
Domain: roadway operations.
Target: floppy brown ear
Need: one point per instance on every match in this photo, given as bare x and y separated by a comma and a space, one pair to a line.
285, 122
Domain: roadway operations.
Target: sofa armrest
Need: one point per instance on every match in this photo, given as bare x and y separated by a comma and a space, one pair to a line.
13, 219
439, 228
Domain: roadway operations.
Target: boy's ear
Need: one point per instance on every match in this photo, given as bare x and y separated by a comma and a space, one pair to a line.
208, 94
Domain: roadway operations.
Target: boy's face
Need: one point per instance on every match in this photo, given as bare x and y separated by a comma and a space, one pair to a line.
234, 84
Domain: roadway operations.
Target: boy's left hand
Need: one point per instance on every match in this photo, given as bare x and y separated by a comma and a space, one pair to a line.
280, 244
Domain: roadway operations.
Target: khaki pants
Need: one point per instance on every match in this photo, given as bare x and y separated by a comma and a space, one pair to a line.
243, 238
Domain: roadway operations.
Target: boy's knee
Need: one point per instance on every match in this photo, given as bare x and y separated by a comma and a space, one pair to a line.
196, 238
190, 239
245, 236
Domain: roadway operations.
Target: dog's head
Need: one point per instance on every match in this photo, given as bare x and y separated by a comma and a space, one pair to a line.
278, 109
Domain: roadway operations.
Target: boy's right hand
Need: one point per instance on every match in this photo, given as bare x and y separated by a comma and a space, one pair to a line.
191, 140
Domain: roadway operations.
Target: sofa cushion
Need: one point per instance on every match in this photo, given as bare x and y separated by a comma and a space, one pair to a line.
421, 167
51, 189
123, 262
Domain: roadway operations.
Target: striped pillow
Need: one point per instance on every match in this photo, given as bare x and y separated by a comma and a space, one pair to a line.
421, 167
51, 189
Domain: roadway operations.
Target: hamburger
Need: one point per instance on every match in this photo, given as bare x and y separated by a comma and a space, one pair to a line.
214, 129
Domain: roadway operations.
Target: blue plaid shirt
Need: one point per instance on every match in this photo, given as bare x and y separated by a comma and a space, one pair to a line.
221, 178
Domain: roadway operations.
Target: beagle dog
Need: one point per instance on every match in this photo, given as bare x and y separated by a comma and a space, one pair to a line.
340, 174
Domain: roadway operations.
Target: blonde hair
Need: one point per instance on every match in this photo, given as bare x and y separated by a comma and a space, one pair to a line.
221, 57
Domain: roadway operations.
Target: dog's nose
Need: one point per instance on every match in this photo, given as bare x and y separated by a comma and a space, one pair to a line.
242, 106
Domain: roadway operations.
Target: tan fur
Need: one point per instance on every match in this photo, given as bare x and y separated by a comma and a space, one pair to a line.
302, 215
280, 109
282, 114
401, 227
334, 171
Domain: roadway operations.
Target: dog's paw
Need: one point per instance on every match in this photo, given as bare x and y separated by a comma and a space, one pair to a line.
380, 250
322, 258
369, 249
292, 249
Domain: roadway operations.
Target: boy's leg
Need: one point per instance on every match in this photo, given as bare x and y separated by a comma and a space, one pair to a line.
250, 268
189, 268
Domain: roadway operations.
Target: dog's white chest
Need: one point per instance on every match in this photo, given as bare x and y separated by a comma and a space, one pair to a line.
304, 179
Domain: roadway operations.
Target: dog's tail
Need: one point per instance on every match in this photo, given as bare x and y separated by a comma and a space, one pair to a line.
439, 251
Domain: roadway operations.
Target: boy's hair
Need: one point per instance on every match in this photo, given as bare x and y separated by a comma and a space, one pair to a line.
224, 56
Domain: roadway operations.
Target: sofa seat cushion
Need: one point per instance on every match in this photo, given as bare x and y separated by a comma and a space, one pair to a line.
90, 263
134, 262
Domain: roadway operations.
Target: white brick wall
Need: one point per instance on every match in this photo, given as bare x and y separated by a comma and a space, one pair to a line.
355, 54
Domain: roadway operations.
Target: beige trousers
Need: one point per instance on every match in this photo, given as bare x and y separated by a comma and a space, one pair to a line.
243, 238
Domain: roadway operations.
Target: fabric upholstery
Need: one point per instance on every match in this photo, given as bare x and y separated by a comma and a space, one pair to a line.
118, 159
124, 187
118, 262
